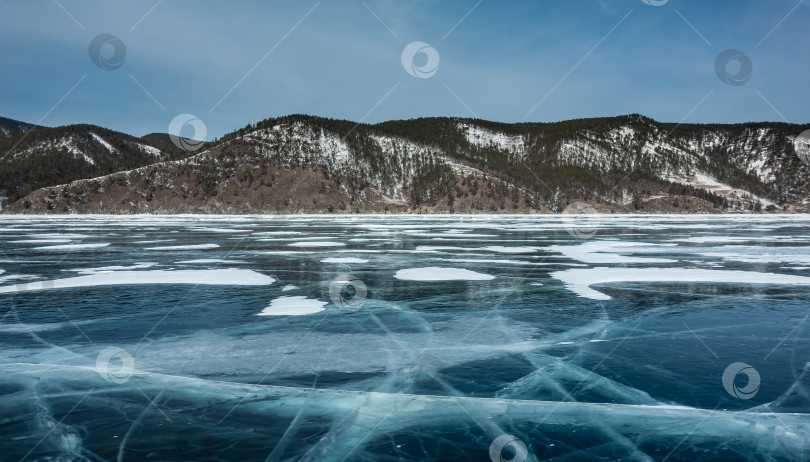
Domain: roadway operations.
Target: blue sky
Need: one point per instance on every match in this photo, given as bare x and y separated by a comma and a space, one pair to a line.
539, 60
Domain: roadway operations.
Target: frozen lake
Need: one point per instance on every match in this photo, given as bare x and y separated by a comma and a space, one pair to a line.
385, 338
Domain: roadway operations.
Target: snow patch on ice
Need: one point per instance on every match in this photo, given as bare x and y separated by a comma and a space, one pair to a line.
221, 230
495, 261
491, 248
293, 306
600, 252
57, 236
41, 241
435, 273
108, 269
72, 246
504, 249
344, 260
316, 244
185, 247
228, 276
211, 261
580, 281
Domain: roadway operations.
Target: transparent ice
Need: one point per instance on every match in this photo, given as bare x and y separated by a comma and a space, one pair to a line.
621, 363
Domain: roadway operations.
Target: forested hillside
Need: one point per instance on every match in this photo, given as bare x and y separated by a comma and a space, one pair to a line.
51, 156
301, 163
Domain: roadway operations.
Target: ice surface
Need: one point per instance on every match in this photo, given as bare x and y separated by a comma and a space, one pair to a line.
435, 273
293, 306
357, 419
501, 344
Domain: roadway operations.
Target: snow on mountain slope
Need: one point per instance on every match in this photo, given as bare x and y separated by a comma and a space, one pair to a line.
67, 144
485, 138
152, 151
50, 156
624, 161
104, 143
704, 181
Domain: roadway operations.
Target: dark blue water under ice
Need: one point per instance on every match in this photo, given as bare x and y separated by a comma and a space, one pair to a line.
141, 339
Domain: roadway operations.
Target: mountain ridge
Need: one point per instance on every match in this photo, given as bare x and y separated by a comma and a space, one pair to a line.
309, 164
10, 128
47, 156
